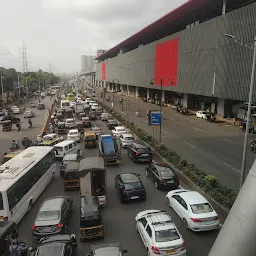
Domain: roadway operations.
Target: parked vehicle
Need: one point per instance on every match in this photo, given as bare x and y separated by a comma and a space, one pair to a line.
118, 130
74, 135
90, 139
52, 217
139, 152
201, 114
163, 176
113, 249
68, 158
111, 124
109, 150
59, 245
40, 106
28, 114
70, 123
163, 236
195, 211
130, 187
126, 139
71, 176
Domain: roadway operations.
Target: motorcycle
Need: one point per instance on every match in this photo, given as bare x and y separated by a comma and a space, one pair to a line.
29, 125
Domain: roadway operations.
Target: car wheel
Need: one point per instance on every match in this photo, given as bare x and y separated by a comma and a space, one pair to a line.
186, 223
156, 184
30, 206
146, 173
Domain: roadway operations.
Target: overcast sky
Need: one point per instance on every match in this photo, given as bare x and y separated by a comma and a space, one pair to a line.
58, 32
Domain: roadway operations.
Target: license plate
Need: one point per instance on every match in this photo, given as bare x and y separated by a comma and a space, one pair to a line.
171, 181
171, 251
210, 222
48, 229
134, 197
144, 154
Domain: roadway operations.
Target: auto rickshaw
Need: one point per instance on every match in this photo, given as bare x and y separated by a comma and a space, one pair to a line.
91, 223
86, 122
93, 115
11, 155
8, 230
69, 113
61, 128
71, 176
90, 139
6, 126
81, 115
80, 126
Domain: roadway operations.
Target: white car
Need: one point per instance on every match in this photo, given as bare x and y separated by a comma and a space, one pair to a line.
118, 130
72, 104
159, 234
16, 110
74, 135
195, 211
70, 123
53, 136
201, 114
28, 114
91, 103
105, 116
126, 139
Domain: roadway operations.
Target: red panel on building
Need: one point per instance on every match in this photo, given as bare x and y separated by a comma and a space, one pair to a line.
166, 62
103, 71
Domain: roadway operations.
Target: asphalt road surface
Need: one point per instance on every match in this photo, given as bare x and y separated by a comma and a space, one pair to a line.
119, 223
213, 148
37, 123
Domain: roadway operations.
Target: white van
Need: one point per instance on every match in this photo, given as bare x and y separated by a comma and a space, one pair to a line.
65, 147
64, 104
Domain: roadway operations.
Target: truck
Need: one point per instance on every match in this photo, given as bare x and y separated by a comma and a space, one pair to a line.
109, 149
79, 108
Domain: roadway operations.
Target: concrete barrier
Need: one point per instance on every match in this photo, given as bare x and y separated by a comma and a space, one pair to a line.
47, 118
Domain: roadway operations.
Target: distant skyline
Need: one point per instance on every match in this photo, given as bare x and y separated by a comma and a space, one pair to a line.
58, 32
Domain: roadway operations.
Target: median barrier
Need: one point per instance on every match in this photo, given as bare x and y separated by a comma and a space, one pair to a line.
218, 195
47, 118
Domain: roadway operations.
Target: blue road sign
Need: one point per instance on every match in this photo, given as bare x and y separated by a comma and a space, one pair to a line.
155, 118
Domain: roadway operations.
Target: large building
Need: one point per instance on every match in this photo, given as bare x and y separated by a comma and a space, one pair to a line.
87, 63
100, 52
188, 53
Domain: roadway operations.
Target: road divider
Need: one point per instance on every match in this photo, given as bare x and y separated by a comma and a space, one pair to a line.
221, 197
47, 118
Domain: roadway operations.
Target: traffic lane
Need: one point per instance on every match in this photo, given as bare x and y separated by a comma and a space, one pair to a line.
118, 218
37, 123
204, 158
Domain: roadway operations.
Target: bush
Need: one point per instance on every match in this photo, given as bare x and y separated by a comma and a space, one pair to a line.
208, 183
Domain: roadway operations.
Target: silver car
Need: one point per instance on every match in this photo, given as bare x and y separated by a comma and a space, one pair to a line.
70, 123
126, 139
29, 114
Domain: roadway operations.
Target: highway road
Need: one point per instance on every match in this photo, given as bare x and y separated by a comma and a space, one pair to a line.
213, 148
37, 123
118, 218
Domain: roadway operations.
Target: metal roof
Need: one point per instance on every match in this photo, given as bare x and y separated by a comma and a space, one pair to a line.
91, 164
175, 21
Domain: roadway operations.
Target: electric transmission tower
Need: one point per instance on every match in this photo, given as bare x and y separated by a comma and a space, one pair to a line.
50, 68
24, 58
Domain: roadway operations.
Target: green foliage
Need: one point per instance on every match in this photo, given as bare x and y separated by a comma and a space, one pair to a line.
208, 183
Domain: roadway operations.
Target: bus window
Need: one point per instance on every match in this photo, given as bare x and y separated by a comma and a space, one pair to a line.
1, 202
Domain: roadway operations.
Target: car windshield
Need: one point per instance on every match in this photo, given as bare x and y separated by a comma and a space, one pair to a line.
73, 133
96, 129
112, 122
133, 185
71, 176
166, 235
165, 172
201, 208
69, 121
128, 138
1, 202
65, 104
110, 250
48, 215
51, 249
120, 130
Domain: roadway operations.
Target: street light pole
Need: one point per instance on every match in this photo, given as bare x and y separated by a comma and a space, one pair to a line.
2, 86
248, 118
161, 107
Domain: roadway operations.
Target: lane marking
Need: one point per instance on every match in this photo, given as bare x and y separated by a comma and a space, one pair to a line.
198, 129
191, 145
230, 141
232, 167
164, 130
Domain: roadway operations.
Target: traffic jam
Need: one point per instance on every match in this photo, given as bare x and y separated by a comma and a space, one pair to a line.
78, 126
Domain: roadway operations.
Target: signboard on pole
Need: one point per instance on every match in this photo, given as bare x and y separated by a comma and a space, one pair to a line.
154, 118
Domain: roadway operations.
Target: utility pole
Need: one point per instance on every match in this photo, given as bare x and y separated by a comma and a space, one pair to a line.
27, 86
2, 86
19, 85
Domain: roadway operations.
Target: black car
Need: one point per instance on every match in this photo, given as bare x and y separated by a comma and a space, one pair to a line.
130, 187
9, 117
139, 152
67, 159
111, 124
114, 249
60, 245
163, 176
52, 217
40, 106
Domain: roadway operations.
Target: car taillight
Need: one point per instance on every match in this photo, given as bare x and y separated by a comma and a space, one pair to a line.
217, 217
59, 225
162, 181
183, 246
137, 153
34, 228
155, 250
195, 220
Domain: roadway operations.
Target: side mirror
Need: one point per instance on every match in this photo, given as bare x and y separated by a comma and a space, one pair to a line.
125, 251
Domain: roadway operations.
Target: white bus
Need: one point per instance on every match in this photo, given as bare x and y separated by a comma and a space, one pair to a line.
65, 104
22, 180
